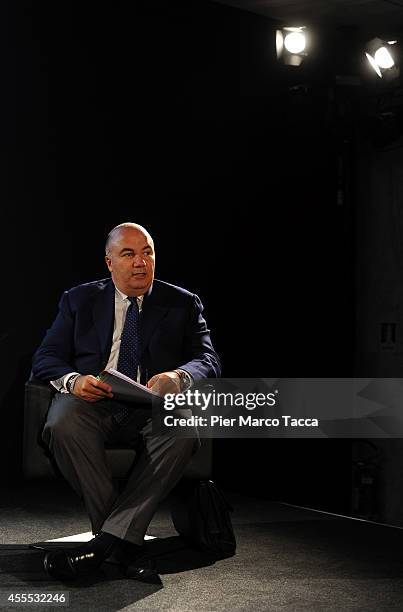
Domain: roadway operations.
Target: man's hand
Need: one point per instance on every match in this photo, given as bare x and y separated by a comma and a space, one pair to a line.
91, 389
166, 382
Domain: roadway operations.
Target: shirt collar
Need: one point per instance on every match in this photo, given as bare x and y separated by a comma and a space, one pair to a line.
122, 296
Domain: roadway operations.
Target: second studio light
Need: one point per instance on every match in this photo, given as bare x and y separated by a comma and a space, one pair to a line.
383, 58
291, 45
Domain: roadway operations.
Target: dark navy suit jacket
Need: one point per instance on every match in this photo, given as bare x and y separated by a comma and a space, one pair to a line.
173, 333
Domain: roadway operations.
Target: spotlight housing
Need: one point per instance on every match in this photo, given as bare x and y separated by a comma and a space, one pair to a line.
292, 45
383, 57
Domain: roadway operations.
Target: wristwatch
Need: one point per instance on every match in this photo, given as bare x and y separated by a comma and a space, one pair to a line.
185, 379
71, 382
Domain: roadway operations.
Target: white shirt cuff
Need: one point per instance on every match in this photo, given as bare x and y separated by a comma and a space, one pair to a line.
60, 383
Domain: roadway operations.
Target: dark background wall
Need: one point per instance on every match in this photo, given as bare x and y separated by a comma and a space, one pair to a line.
379, 287
178, 117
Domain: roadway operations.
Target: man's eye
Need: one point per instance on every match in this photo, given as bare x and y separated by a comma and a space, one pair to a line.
127, 254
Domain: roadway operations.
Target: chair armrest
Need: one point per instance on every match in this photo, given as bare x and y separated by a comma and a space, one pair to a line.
38, 396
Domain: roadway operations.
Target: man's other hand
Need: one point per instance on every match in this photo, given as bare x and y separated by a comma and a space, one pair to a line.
166, 382
91, 389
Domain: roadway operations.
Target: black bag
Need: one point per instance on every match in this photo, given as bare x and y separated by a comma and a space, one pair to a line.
200, 514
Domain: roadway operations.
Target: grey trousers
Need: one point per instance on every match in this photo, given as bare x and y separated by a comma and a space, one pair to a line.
76, 432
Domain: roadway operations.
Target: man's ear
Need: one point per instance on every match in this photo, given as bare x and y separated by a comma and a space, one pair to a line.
108, 262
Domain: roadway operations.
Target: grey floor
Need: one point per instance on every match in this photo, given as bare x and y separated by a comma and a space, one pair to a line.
288, 559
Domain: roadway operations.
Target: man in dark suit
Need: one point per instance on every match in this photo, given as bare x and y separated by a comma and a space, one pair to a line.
155, 333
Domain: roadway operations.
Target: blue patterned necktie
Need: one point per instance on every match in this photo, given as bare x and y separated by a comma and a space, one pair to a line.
129, 353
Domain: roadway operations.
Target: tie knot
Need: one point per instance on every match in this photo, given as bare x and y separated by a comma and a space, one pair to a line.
132, 299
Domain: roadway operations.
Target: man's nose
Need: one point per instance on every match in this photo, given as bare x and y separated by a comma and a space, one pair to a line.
138, 260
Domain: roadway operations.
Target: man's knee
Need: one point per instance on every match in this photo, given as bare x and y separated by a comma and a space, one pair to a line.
61, 428
189, 445
64, 421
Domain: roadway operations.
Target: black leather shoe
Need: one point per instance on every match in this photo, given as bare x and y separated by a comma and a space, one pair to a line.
71, 563
134, 563
146, 573
125, 553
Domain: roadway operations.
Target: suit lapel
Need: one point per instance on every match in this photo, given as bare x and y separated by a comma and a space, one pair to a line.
153, 311
104, 316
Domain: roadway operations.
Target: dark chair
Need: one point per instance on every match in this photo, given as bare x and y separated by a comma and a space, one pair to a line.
38, 464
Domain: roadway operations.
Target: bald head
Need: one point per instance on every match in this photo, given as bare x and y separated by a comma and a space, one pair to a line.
130, 258
117, 231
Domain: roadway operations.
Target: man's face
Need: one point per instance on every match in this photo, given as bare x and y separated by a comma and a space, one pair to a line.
131, 261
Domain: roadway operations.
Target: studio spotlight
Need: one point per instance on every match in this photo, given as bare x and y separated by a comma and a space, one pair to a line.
291, 45
383, 57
